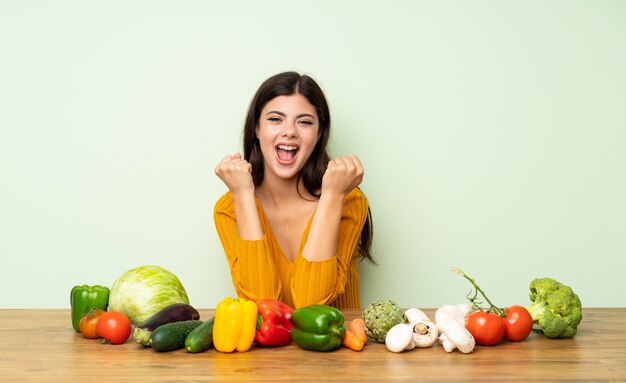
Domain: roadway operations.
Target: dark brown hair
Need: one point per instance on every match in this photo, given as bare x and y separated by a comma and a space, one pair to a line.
287, 84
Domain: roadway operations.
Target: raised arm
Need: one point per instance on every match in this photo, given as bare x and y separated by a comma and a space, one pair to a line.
342, 176
239, 227
321, 267
236, 173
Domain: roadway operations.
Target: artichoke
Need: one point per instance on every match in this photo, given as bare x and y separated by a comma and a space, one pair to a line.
380, 316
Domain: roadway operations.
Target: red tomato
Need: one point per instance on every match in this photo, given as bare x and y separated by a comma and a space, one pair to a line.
518, 323
486, 328
114, 327
88, 323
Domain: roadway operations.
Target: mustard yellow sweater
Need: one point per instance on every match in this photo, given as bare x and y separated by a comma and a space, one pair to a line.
260, 269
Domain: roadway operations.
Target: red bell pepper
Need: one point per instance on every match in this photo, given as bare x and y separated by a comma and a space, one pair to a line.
273, 323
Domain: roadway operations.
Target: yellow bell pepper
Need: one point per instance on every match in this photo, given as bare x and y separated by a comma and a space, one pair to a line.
235, 325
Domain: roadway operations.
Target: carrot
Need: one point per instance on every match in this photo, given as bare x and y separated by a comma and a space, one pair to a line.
355, 337
357, 326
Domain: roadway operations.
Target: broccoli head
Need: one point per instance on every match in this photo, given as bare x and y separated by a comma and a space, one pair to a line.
555, 308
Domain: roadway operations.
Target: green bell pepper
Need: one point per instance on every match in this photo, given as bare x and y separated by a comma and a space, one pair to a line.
84, 298
317, 327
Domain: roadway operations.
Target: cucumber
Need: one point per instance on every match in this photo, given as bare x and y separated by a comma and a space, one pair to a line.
201, 338
175, 313
172, 336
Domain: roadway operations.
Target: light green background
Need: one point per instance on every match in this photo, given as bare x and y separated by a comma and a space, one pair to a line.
493, 135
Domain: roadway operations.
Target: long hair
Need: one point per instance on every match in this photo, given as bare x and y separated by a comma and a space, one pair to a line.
287, 84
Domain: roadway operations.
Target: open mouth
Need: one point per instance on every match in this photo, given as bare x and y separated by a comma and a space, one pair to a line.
286, 153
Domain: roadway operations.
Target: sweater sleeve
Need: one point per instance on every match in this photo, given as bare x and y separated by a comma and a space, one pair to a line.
324, 281
252, 266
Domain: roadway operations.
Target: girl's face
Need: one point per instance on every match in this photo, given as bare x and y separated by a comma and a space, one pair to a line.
287, 131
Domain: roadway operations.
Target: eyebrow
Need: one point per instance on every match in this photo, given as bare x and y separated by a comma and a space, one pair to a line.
284, 115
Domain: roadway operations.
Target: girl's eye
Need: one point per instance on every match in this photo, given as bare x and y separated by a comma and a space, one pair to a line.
306, 122
274, 119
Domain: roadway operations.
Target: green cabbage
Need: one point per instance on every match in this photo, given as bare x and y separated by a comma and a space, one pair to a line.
141, 292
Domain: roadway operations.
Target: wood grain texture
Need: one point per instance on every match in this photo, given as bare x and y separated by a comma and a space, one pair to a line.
41, 346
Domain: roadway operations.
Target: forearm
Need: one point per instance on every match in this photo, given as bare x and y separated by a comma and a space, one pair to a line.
321, 243
252, 267
316, 282
255, 275
323, 280
248, 221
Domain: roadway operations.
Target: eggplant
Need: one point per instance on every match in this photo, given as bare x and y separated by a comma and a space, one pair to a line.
177, 312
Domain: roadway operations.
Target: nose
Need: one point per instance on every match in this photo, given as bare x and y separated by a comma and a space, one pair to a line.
290, 130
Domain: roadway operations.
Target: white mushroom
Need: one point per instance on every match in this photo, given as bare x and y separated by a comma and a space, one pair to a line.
453, 334
425, 332
413, 315
465, 309
400, 338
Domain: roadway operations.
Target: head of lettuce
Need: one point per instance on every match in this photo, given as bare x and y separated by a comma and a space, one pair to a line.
141, 292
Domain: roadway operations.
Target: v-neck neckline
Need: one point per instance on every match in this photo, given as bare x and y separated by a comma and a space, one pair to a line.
273, 235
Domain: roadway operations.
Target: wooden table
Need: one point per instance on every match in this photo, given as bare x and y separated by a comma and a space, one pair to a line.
41, 346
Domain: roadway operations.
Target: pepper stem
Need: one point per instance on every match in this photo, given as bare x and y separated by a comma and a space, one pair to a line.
259, 322
492, 308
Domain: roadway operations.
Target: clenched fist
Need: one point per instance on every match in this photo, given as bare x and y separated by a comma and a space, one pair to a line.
342, 175
236, 174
